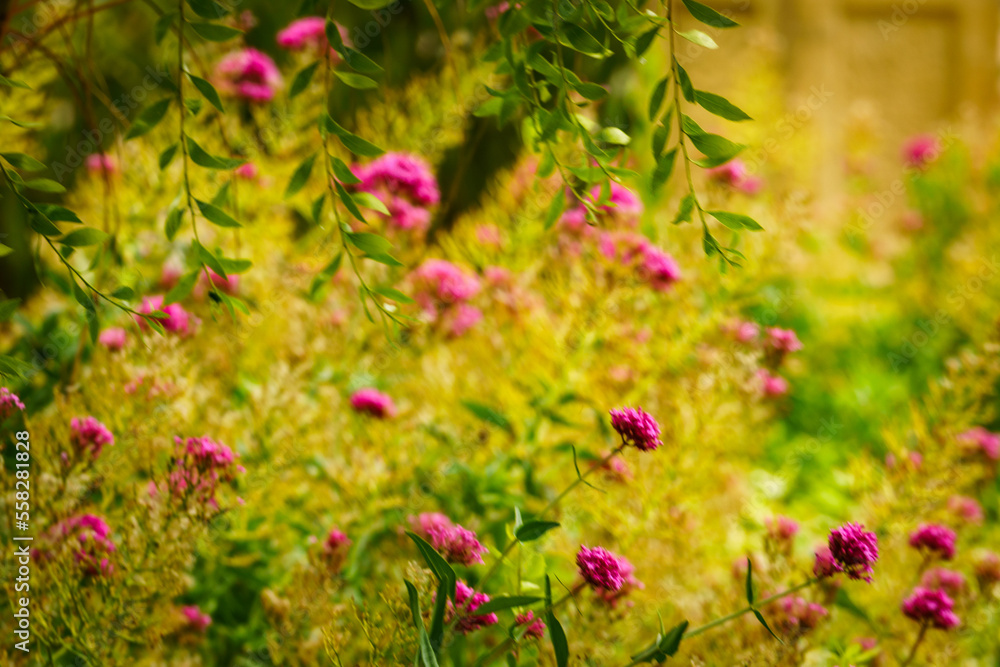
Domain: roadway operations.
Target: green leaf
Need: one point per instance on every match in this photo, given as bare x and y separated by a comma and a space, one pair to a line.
13, 83
489, 415
302, 79
699, 38
7, 308
844, 601
167, 155
343, 172
555, 210
358, 81
685, 210
348, 201
57, 213
736, 221
437, 617
301, 176
671, 641
203, 159
436, 563
506, 602
216, 215
614, 136
84, 236
392, 293
208, 90
664, 168
163, 25
661, 134
20, 123
372, 244
235, 265
687, 88
749, 581
709, 16
532, 530
556, 633
83, 298
720, 106
124, 292
591, 91
208, 259
418, 622
766, 626
44, 185
645, 40
215, 32
207, 9
656, 99
41, 225
360, 62
352, 142
14, 367
333, 36
718, 150
148, 118
368, 200
183, 288
5, 250
175, 217
578, 39
22, 161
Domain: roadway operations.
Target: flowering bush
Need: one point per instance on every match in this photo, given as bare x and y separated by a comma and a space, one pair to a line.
520, 422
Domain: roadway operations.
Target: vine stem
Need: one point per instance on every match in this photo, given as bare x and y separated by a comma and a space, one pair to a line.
916, 644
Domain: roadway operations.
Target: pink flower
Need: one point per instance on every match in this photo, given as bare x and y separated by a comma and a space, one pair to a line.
87, 535
248, 74
373, 402
228, 285
630, 584
468, 601
101, 163
455, 543
987, 569
535, 627
783, 340
439, 285
931, 606
734, 174
636, 428
920, 150
602, 569
310, 33
463, 318
949, 581
798, 613
615, 468
405, 184
197, 620
90, 436
170, 274
114, 338
623, 206
936, 539
825, 565
489, 235
781, 528
198, 467
854, 550
247, 171
10, 404
772, 385
662, 270
966, 509
746, 331
177, 319
335, 549
985, 440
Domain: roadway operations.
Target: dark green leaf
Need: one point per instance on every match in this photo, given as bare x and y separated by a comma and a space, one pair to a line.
533, 530
718, 150
664, 168
44, 185
644, 41
437, 618
556, 633
709, 16
343, 172
215, 32
163, 25
418, 622
83, 298
687, 88
203, 159
591, 91
302, 79
720, 106
301, 176
736, 221
358, 81
489, 415
656, 99
207, 9
506, 602
360, 62
124, 292
57, 213
209, 259
148, 118
208, 90
348, 201
436, 562
766, 626
555, 210
352, 142
216, 215
83, 237
22, 161
749, 581
183, 288
578, 39
685, 210
174, 218
167, 155
392, 293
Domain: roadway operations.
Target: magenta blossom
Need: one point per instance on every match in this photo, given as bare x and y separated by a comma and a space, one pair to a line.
197, 620
772, 385
113, 338
661, 269
247, 171
602, 569
935, 539
933, 607
636, 428
622, 207
309, 33
249, 75
468, 601
198, 467
825, 565
985, 440
405, 184
455, 543
950, 581
10, 404
535, 628
783, 340
921, 150
854, 550
177, 319
967, 509
87, 536
373, 402
734, 174
335, 549
987, 568
101, 163
90, 436
630, 584
800, 614
746, 331
781, 528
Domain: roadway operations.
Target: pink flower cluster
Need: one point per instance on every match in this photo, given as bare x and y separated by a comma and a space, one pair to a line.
933, 607
982, 439
88, 536
935, 539
622, 208
468, 601
310, 33
772, 384
455, 543
535, 628
949, 581
987, 569
113, 338
781, 529
783, 340
405, 184
630, 584
197, 620
602, 569
200, 465
734, 174
177, 319
10, 404
101, 163
90, 436
249, 75
443, 291
853, 550
967, 509
921, 150
653, 265
335, 549
800, 614
373, 402
637, 428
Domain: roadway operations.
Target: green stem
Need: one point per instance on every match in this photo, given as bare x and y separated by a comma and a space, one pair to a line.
736, 614
916, 644
506, 645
